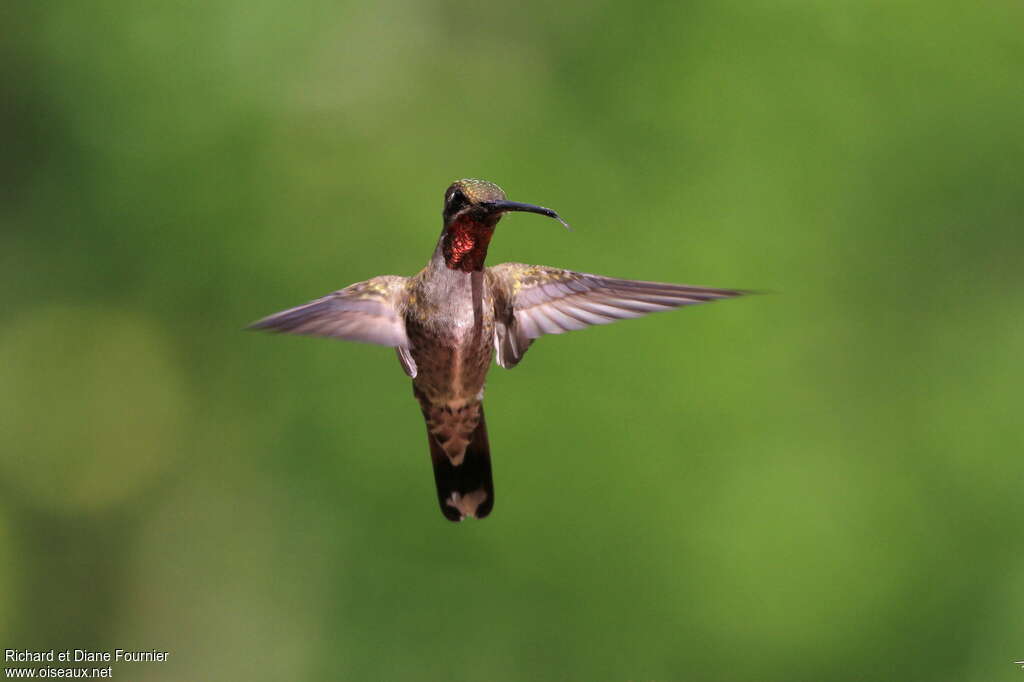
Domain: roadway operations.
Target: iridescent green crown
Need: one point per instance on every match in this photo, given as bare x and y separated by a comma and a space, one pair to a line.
480, 190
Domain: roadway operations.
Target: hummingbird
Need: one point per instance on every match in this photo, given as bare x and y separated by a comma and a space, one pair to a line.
447, 322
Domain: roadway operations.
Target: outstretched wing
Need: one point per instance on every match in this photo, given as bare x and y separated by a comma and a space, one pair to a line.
370, 311
533, 300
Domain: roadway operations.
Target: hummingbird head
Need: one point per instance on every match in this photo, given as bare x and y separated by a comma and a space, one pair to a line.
472, 208
482, 202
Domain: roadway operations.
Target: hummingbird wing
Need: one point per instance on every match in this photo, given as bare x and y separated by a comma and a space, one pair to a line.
370, 311
533, 300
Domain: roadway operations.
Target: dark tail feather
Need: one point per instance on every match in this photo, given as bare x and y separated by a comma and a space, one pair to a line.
467, 489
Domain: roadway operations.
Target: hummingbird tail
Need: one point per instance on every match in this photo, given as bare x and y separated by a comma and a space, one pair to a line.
463, 476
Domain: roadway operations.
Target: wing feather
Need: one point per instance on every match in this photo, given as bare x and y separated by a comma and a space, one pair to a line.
531, 301
370, 312
530, 328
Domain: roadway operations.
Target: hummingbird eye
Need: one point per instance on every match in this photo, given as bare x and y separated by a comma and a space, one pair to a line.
456, 200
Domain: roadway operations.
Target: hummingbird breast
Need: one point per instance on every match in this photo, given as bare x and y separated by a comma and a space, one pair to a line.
449, 322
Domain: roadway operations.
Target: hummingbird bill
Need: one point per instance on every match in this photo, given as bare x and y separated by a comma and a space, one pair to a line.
449, 320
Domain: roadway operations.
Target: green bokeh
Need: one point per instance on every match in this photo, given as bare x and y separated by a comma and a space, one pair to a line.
819, 483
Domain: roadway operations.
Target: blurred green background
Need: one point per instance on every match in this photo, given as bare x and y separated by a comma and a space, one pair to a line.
821, 483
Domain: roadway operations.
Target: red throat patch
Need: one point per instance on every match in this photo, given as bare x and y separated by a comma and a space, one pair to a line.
465, 245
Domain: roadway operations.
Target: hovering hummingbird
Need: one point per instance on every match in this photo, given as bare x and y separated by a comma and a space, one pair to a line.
447, 320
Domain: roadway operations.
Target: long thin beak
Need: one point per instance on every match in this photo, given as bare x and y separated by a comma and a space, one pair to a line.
526, 208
